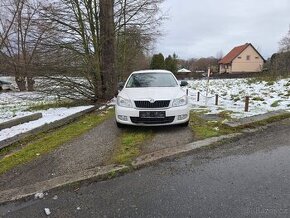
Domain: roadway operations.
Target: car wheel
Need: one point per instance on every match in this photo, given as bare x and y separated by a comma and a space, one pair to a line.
120, 125
185, 124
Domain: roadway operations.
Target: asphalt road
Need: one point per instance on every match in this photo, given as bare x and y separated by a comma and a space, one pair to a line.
246, 178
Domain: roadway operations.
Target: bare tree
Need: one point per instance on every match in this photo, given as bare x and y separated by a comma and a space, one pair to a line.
21, 33
285, 42
92, 31
137, 23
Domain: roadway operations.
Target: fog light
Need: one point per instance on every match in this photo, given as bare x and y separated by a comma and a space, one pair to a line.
122, 117
182, 117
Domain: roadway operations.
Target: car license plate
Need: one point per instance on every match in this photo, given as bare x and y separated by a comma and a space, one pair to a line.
152, 114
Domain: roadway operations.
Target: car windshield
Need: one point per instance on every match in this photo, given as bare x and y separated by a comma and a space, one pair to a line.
140, 80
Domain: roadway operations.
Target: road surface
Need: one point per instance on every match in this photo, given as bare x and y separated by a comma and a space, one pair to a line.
246, 178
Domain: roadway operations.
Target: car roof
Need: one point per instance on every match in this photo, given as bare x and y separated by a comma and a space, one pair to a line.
151, 71
4, 82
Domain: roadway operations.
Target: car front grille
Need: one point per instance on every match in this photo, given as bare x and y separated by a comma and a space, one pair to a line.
156, 104
152, 120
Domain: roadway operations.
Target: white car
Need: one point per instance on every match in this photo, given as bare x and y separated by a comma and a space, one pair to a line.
152, 98
6, 86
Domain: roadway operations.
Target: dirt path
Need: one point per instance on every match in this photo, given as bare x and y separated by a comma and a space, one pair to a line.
168, 136
87, 151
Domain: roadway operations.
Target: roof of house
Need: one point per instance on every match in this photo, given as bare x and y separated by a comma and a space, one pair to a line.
183, 70
235, 52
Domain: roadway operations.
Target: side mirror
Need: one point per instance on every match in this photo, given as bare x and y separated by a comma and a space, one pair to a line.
183, 83
121, 85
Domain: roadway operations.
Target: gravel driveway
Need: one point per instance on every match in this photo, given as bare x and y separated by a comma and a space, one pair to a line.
87, 151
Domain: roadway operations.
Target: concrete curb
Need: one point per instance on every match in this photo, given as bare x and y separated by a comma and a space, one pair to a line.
86, 176
46, 127
163, 154
20, 120
257, 118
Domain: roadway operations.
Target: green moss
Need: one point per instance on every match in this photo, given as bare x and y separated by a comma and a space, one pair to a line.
129, 146
205, 129
276, 103
270, 83
46, 142
267, 121
233, 97
236, 99
225, 114
56, 104
258, 99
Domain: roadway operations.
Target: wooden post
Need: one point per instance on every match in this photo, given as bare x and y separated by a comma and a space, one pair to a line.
198, 96
216, 99
247, 99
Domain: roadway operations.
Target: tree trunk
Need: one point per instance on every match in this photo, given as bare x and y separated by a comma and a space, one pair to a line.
30, 84
107, 33
20, 81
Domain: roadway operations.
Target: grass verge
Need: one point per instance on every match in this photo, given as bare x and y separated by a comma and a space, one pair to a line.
267, 121
203, 129
130, 144
57, 104
47, 142
276, 103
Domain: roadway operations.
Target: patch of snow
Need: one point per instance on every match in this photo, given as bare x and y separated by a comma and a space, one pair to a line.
55, 197
47, 211
39, 195
102, 107
48, 116
112, 102
14, 104
232, 93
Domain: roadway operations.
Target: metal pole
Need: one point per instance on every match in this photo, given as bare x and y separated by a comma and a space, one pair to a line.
198, 96
247, 99
216, 99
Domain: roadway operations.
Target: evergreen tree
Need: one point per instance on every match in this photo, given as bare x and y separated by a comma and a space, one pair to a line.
171, 63
157, 62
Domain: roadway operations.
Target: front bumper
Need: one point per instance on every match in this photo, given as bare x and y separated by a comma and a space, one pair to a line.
173, 115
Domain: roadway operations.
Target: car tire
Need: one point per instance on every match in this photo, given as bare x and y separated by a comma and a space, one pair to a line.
120, 125
185, 124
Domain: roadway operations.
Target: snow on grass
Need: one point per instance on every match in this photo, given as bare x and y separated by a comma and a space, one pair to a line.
49, 116
264, 96
13, 104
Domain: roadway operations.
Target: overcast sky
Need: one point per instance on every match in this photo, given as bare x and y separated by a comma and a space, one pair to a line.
201, 28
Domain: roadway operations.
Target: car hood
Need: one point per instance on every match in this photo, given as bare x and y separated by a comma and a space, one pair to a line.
158, 93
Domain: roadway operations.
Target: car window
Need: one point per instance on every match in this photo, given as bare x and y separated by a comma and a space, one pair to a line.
140, 80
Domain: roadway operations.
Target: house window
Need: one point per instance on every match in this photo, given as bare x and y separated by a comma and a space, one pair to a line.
257, 57
248, 57
240, 57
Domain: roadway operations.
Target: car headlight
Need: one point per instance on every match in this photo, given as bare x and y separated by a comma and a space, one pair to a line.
179, 101
122, 102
